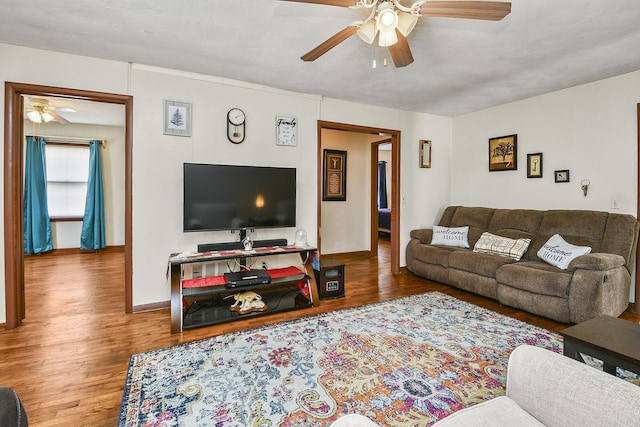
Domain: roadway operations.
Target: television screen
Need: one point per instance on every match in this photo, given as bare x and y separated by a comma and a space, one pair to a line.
227, 197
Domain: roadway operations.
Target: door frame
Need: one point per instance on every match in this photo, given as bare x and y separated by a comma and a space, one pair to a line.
394, 136
13, 189
374, 190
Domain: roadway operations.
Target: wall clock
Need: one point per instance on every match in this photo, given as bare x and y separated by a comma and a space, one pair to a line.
286, 131
236, 122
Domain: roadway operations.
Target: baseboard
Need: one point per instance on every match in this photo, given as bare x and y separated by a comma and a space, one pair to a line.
143, 308
74, 251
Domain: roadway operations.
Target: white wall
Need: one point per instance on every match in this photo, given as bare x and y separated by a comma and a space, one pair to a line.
346, 225
66, 234
590, 130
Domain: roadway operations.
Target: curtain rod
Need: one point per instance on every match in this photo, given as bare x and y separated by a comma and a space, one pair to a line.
69, 139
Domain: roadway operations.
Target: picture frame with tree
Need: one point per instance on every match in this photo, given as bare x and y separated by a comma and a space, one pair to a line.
503, 153
177, 118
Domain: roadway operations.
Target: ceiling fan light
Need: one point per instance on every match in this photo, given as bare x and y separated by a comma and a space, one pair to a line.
367, 31
387, 38
47, 117
387, 18
406, 22
34, 116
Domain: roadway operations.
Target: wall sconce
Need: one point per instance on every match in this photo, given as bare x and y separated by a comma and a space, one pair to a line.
585, 186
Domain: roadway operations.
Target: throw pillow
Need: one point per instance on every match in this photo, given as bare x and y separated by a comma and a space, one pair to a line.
560, 253
450, 236
502, 246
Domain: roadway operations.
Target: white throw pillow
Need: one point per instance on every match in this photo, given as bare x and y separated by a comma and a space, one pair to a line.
450, 236
559, 253
502, 246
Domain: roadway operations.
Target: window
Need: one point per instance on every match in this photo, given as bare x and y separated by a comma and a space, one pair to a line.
67, 176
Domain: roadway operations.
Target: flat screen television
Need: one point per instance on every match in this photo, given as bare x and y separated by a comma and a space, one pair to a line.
229, 197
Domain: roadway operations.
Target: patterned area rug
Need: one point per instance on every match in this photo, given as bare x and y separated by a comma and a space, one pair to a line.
409, 361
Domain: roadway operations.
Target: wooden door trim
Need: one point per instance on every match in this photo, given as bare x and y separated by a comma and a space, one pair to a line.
375, 159
13, 193
395, 181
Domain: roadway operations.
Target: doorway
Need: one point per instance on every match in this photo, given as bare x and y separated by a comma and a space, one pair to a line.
13, 193
393, 136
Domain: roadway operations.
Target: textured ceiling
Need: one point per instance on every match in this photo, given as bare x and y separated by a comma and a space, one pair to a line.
460, 65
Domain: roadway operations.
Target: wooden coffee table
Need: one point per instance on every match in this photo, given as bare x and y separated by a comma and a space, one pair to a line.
614, 341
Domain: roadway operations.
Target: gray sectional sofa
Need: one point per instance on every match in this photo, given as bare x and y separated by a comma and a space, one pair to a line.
593, 284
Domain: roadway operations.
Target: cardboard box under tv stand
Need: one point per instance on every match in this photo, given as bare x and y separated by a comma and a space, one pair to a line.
206, 300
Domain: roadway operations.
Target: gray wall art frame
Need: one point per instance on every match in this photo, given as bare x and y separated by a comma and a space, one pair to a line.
177, 118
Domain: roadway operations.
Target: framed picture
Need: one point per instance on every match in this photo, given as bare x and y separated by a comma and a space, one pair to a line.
534, 165
334, 175
503, 153
177, 118
562, 175
286, 131
425, 153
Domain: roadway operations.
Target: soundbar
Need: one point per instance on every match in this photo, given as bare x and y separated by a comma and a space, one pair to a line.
228, 246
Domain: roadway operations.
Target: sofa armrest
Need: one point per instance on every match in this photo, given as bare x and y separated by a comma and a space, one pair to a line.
559, 391
596, 261
424, 235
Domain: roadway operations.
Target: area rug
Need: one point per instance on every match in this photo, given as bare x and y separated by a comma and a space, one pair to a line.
405, 362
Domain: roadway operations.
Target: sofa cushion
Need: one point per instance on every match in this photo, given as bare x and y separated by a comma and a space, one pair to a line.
478, 263
450, 236
501, 246
500, 411
582, 228
438, 255
477, 219
536, 277
560, 253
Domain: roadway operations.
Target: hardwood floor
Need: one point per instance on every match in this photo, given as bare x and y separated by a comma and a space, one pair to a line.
68, 361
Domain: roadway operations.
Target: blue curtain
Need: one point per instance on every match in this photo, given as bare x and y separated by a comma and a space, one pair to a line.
382, 185
93, 234
37, 225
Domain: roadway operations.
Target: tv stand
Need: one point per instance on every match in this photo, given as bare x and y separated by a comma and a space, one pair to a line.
206, 300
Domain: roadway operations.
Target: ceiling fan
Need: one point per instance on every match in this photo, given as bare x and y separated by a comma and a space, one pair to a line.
392, 22
39, 110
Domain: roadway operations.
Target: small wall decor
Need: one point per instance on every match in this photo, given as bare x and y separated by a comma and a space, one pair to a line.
534, 165
503, 153
236, 125
425, 153
286, 131
334, 175
562, 175
584, 185
177, 118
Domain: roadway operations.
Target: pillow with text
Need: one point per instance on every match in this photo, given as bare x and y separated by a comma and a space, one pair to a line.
450, 236
560, 253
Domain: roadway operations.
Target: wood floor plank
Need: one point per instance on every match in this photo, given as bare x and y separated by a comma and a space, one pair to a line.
68, 361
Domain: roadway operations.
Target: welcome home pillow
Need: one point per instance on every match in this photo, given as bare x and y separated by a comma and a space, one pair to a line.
450, 236
559, 253
502, 246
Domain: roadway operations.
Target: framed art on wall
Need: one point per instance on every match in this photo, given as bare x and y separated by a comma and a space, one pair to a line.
177, 118
425, 153
562, 175
286, 131
534, 165
334, 175
503, 153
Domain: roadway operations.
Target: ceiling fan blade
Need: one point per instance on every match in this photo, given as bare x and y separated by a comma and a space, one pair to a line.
341, 3
330, 43
488, 10
59, 118
400, 51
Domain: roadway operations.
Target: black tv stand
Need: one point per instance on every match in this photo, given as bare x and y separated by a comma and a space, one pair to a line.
208, 247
